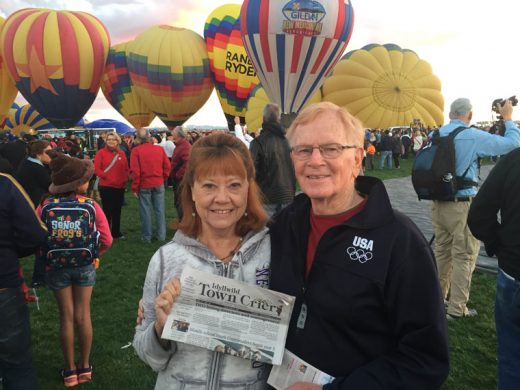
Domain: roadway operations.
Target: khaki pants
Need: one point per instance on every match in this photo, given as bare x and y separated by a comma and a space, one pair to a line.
456, 252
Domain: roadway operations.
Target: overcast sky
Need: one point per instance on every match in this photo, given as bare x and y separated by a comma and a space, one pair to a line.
472, 45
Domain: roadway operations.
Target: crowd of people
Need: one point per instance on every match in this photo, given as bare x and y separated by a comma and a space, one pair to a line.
372, 298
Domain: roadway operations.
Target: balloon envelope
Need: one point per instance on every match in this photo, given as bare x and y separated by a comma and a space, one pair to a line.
294, 45
169, 68
119, 90
56, 59
257, 102
26, 118
385, 85
233, 73
8, 89
121, 128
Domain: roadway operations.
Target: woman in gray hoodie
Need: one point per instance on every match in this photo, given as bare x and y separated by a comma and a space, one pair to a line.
222, 232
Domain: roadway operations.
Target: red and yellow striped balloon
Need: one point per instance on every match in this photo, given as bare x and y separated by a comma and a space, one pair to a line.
56, 59
8, 89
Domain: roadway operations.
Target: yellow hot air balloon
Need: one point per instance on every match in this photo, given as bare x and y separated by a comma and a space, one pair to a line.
384, 85
169, 69
119, 90
8, 90
257, 102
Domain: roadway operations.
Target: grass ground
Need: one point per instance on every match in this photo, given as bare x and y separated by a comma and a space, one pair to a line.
119, 287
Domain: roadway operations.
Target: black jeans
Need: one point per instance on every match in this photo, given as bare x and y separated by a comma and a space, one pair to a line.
16, 366
112, 200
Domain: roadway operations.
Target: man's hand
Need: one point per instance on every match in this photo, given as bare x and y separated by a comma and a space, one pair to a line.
140, 312
506, 111
304, 386
136, 195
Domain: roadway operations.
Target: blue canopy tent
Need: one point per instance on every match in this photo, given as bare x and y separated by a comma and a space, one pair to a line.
121, 128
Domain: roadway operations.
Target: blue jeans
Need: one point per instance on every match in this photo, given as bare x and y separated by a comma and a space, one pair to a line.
152, 198
507, 320
385, 155
16, 366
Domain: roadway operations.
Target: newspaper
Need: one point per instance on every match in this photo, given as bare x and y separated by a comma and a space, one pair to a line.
292, 370
229, 316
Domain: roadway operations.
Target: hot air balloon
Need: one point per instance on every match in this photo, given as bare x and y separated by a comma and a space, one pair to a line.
384, 85
257, 102
56, 59
26, 119
15, 106
170, 71
8, 89
294, 45
119, 90
233, 73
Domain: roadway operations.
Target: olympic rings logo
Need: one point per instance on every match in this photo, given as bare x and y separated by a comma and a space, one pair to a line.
359, 254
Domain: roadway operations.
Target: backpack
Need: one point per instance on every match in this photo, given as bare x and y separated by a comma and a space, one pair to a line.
73, 240
433, 171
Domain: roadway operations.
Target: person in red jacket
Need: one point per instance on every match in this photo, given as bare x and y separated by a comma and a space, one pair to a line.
111, 167
150, 168
180, 157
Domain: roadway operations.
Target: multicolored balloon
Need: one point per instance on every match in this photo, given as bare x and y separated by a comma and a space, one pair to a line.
295, 44
8, 89
15, 106
119, 90
384, 85
56, 59
26, 119
169, 68
233, 73
257, 102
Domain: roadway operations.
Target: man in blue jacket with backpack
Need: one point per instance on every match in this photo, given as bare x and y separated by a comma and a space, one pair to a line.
456, 249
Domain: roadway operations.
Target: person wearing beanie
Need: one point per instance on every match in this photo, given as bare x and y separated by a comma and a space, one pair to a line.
150, 168
74, 222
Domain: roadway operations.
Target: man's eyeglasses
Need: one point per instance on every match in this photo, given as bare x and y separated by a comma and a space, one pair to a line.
304, 152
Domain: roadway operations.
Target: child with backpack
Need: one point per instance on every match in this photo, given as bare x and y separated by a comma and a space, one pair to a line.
370, 153
78, 234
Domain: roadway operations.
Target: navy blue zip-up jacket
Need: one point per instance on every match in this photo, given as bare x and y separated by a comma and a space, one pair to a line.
375, 317
21, 231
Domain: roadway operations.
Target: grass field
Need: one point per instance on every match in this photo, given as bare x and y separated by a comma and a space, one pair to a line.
119, 287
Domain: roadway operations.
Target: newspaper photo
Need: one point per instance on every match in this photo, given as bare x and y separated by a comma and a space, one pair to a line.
229, 316
292, 370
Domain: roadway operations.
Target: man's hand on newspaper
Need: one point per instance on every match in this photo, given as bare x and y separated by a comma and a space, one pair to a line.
164, 303
304, 386
140, 313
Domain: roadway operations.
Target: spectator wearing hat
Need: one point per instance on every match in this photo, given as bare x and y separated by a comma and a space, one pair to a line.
71, 275
150, 168
17, 239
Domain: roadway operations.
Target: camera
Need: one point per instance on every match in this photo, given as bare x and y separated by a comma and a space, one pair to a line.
501, 102
499, 126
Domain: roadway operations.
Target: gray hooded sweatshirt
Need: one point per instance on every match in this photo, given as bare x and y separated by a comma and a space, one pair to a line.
186, 367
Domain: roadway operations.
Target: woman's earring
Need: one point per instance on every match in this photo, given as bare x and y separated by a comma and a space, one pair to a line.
193, 214
245, 214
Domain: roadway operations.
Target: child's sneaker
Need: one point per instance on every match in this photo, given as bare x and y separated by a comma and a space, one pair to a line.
84, 374
70, 378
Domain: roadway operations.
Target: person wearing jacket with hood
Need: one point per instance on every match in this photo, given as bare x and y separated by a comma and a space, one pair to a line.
271, 155
223, 232
111, 167
368, 309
